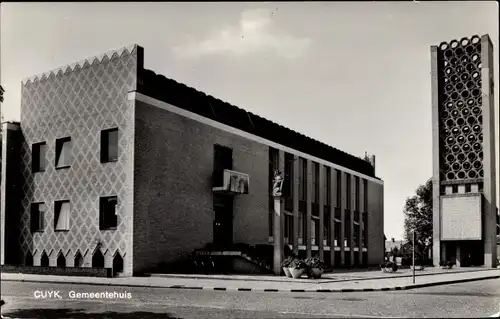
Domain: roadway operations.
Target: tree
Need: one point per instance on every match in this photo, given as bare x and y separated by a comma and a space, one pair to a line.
418, 217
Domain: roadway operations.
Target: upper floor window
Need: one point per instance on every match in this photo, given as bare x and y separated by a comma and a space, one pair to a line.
288, 182
37, 217
327, 187
315, 182
61, 215
109, 145
365, 195
348, 190
357, 197
223, 159
339, 187
63, 152
39, 157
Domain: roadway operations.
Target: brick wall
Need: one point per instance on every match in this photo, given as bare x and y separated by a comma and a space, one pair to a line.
173, 208
79, 102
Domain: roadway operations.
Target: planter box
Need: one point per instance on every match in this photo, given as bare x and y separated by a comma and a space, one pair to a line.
316, 273
388, 270
287, 272
417, 267
297, 273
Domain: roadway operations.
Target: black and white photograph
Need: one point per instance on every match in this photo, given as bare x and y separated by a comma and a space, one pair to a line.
301, 159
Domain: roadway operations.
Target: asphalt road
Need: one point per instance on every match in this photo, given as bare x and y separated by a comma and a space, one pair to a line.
474, 299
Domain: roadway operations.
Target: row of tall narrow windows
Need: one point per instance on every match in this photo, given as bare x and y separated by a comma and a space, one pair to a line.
109, 151
318, 186
97, 260
108, 218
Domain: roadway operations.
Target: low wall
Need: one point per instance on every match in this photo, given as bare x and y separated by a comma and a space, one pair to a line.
58, 271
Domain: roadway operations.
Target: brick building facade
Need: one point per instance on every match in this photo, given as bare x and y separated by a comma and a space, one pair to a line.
116, 167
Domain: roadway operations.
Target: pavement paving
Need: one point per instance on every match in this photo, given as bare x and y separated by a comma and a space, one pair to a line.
330, 283
464, 300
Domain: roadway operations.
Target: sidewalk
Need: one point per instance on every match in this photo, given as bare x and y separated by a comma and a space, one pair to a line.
292, 285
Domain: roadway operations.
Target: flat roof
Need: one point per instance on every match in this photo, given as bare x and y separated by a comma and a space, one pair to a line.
192, 100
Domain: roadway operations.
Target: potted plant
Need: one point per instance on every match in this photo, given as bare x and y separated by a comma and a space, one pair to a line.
388, 266
285, 264
419, 265
315, 267
446, 264
297, 268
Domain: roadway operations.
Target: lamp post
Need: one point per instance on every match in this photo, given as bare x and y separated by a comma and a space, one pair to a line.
413, 255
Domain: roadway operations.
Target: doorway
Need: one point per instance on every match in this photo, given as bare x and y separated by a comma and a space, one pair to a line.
223, 221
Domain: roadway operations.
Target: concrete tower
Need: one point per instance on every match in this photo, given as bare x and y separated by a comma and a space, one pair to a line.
464, 195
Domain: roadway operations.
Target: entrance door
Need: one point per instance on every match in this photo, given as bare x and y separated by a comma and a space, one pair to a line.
223, 221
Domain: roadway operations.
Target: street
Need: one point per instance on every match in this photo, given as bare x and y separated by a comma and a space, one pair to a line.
474, 299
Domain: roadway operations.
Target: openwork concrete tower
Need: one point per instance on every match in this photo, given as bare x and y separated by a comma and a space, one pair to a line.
464, 202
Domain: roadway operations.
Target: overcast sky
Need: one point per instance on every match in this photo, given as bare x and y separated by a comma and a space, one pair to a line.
353, 75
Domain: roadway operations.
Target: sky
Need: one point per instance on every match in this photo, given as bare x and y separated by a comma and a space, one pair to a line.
354, 75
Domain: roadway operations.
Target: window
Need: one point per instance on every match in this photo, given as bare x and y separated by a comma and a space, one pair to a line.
37, 216
288, 182
315, 183
223, 159
39, 153
314, 231
356, 235
61, 215
365, 195
326, 228
347, 231
288, 228
109, 145
356, 181
454, 189
365, 230
107, 212
302, 227
63, 152
339, 187
467, 188
337, 232
348, 190
302, 179
328, 186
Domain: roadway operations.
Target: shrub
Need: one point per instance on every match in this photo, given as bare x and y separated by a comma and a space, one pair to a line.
287, 262
445, 263
315, 263
389, 264
297, 264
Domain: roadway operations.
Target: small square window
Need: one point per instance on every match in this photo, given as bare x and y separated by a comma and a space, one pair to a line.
109, 145
61, 215
63, 152
468, 188
107, 212
37, 217
39, 157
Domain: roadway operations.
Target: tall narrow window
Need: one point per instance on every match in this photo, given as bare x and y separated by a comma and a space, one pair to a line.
339, 187
326, 228
37, 217
302, 179
337, 232
223, 159
328, 186
357, 197
315, 182
347, 231
61, 215
365, 195
63, 152
348, 190
365, 230
107, 213
39, 157
109, 145
288, 182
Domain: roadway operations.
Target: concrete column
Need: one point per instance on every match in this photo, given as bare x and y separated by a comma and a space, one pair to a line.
309, 209
351, 212
333, 196
278, 224
296, 226
342, 214
362, 182
489, 151
322, 199
474, 188
461, 189
436, 182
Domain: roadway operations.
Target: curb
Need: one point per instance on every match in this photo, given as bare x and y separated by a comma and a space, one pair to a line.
416, 286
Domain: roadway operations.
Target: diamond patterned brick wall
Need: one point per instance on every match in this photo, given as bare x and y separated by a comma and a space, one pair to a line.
79, 101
